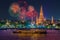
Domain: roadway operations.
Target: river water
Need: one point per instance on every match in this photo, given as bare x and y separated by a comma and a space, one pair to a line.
9, 35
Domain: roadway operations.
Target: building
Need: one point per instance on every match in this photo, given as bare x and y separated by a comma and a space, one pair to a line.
52, 21
41, 18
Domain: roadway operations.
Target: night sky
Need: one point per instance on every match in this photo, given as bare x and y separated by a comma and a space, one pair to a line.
50, 8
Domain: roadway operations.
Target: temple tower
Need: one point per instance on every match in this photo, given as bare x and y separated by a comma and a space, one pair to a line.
52, 21
41, 17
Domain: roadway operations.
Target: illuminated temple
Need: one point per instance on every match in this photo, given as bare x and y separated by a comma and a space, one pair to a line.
52, 21
41, 18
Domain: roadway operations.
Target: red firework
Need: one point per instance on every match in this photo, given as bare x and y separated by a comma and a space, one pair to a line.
22, 12
31, 12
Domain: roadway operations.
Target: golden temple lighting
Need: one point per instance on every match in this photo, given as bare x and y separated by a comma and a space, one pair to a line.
41, 18
52, 21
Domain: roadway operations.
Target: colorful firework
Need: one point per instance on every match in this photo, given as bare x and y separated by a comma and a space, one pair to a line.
21, 12
15, 7
14, 10
31, 12
31, 8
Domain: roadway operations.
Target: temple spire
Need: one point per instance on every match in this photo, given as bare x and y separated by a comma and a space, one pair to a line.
41, 17
52, 21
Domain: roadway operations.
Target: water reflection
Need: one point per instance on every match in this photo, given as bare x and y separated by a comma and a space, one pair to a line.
37, 36
9, 35
30, 36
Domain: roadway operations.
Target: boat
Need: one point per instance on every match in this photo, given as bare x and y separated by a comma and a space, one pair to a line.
31, 31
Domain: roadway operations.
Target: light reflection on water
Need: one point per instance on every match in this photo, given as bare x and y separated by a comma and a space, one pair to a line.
31, 36
9, 35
